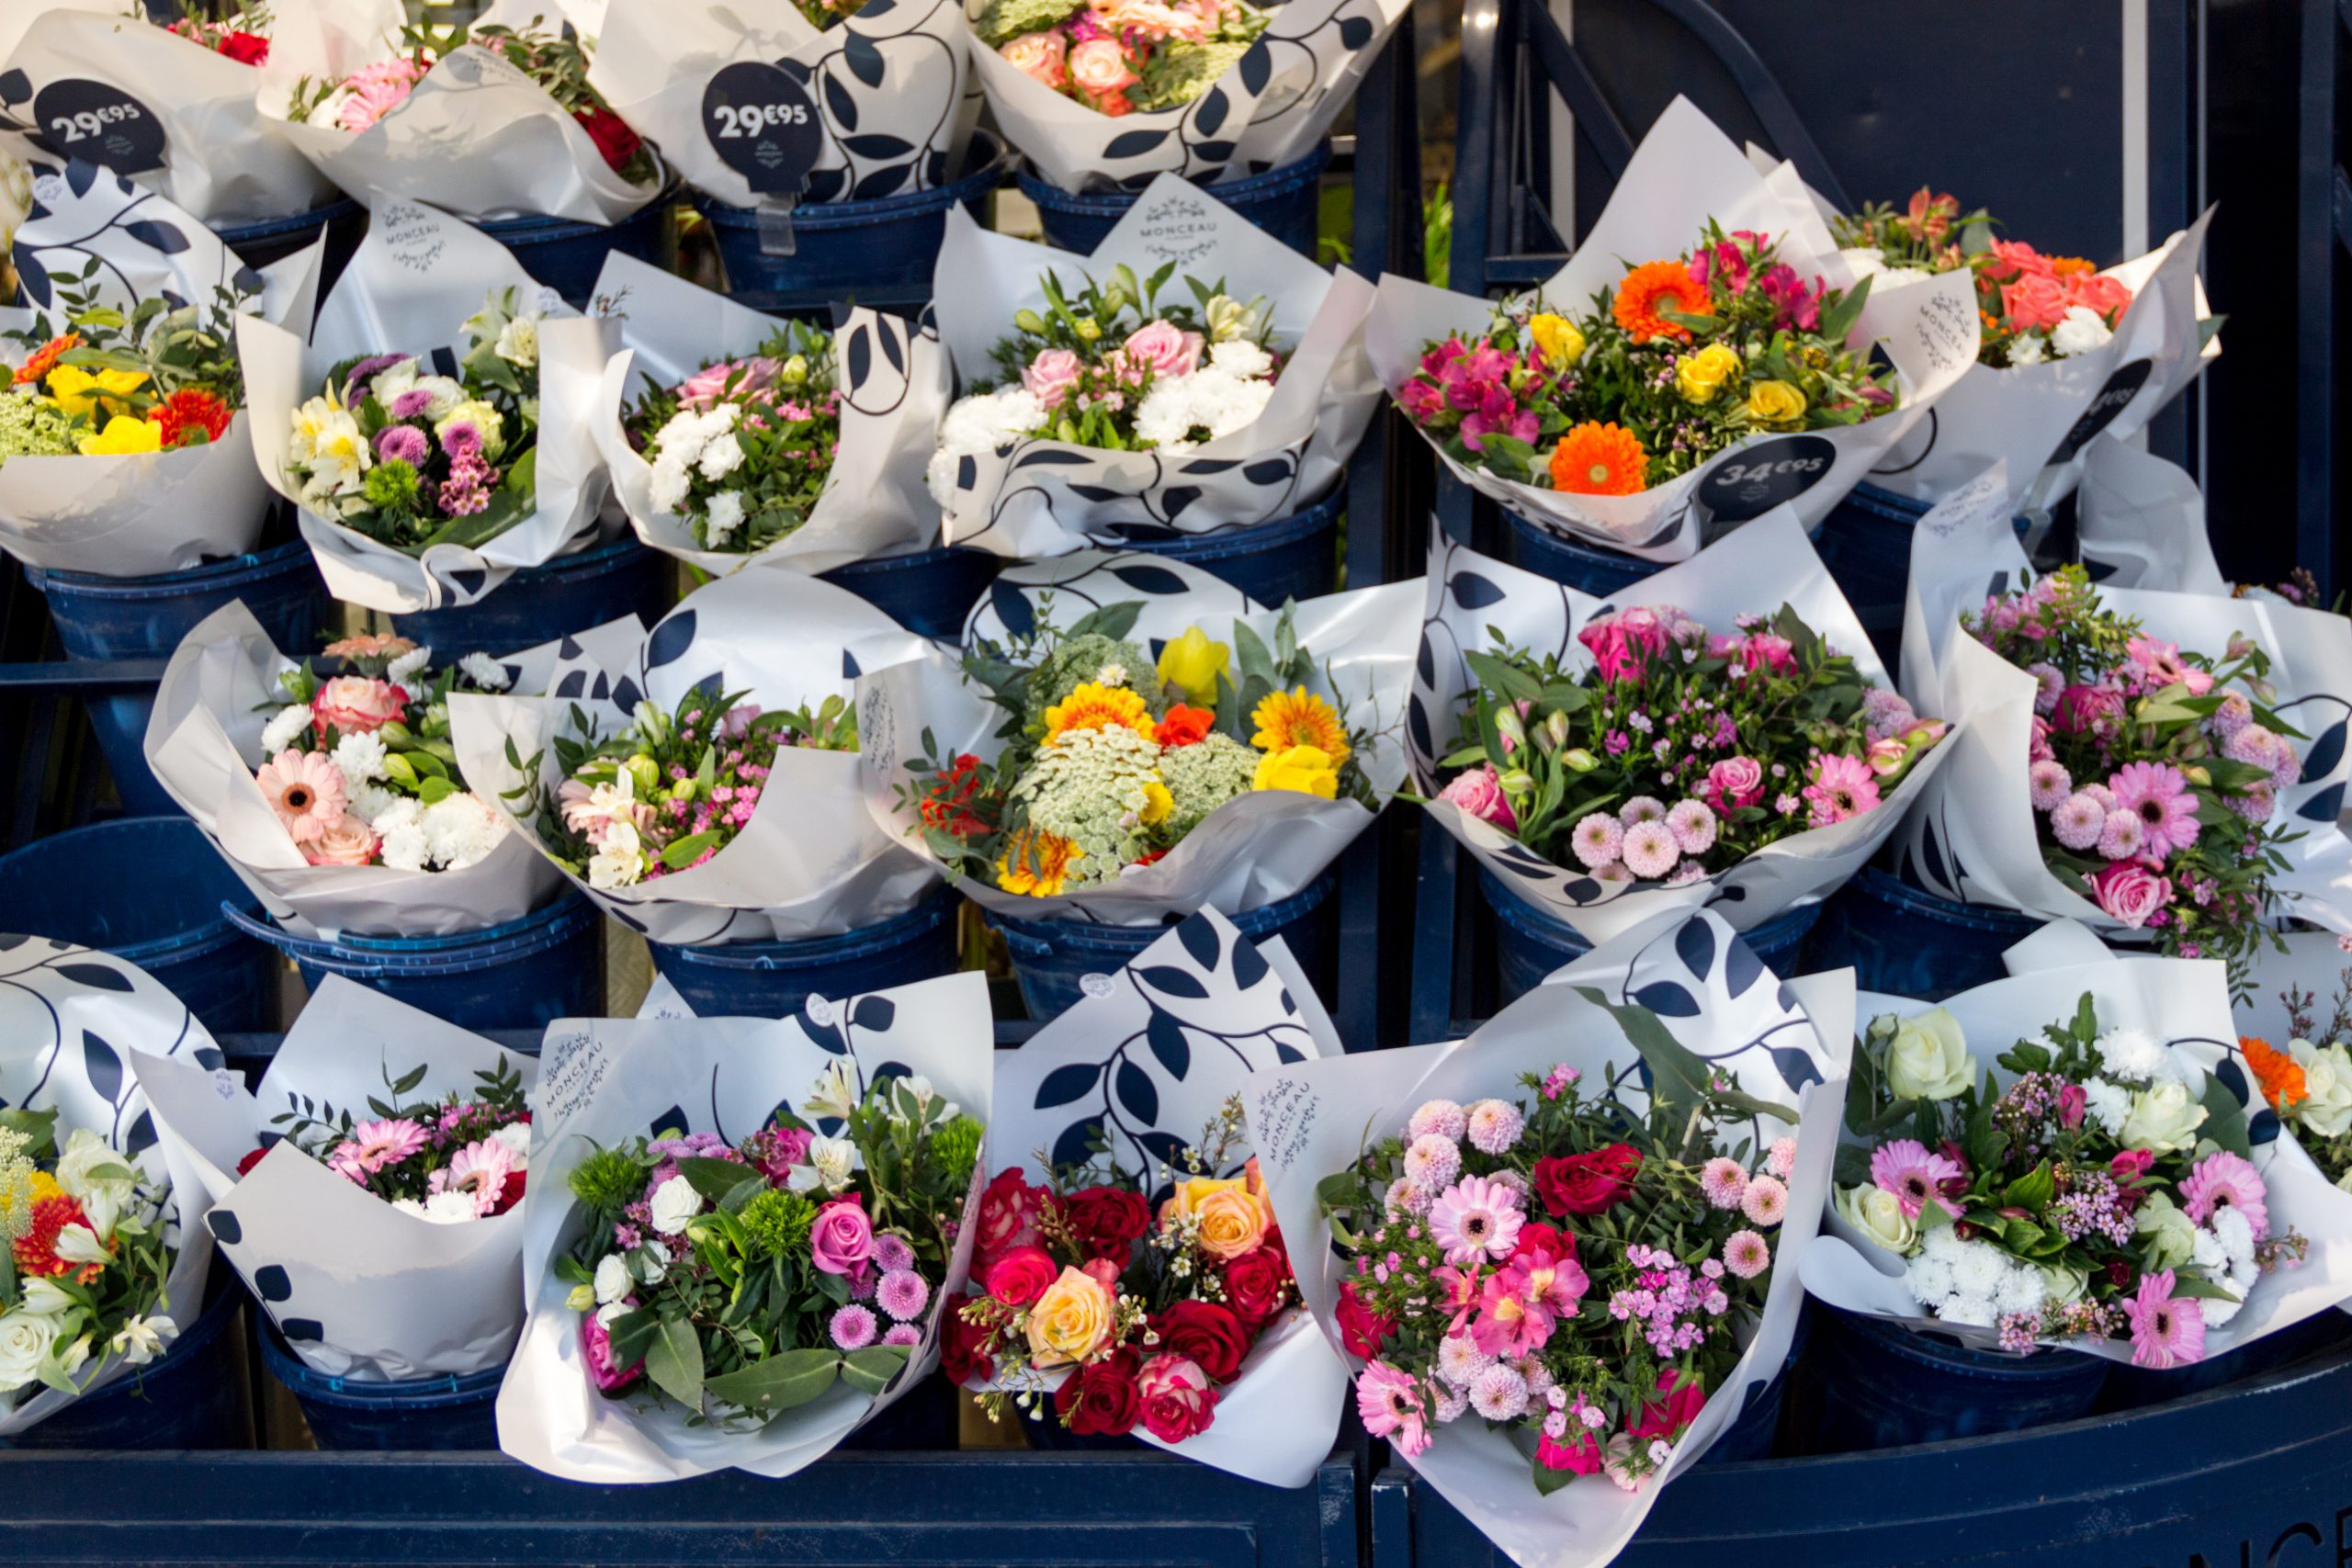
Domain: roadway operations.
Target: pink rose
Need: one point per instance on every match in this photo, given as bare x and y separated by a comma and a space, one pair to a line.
1045, 56
1165, 349
2094, 710
1178, 1399
1644, 630
2131, 1164
355, 704
1768, 650
1099, 65
1051, 375
2098, 293
2034, 300
2073, 1101
1734, 783
1613, 652
1672, 1414
349, 841
842, 1241
597, 1346
1580, 1453
2130, 891
1480, 793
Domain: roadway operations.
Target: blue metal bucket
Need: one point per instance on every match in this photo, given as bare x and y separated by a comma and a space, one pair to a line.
929, 592
1905, 941
1755, 1433
922, 1419
411, 1415
145, 618
1284, 201
1587, 568
522, 974
1290, 558
880, 248
1530, 944
566, 254
771, 980
1877, 1385
193, 1396
541, 604
261, 241
1050, 958
149, 890
1865, 542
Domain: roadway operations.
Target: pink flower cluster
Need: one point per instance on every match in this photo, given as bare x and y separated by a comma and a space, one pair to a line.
1478, 389
2036, 296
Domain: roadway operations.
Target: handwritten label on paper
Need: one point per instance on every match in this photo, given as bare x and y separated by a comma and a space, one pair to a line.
1282, 1120
1983, 500
1182, 229
1943, 328
571, 1070
413, 234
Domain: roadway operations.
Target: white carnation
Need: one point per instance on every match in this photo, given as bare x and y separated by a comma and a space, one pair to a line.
451, 1208
1929, 1279
721, 457
515, 1137
484, 671
1864, 261
2109, 1105
1974, 1312
284, 727
361, 756
2135, 1057
2231, 1227
670, 483
2025, 349
2216, 1312
1227, 402
1166, 418
461, 831
404, 668
1942, 1244
2021, 1291
1980, 1271
1240, 357
682, 436
2082, 331
725, 516
402, 845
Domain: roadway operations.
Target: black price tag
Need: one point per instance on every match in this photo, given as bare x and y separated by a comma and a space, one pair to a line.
98, 123
1754, 479
2113, 400
764, 125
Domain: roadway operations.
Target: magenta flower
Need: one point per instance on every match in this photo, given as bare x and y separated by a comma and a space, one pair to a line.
1905, 1167
1796, 302
1479, 794
2166, 1330
2158, 796
852, 1328
375, 1144
902, 1293
842, 1242
596, 1347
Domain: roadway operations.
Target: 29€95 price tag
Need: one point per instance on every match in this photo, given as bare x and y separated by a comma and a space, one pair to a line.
98, 123
762, 123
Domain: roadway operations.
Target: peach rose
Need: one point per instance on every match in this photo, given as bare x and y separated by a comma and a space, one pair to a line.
349, 841
1234, 1213
355, 704
1072, 1320
1042, 55
1099, 65
2035, 300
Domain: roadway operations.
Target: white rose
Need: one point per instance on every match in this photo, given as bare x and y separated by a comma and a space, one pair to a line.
830, 1158
25, 1341
674, 1203
1877, 1214
653, 1262
1929, 1057
606, 1314
2327, 1087
2082, 331
85, 1155
612, 1279
2164, 1118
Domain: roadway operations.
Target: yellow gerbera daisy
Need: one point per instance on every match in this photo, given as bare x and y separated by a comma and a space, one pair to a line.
1035, 862
45, 1186
1298, 717
1094, 706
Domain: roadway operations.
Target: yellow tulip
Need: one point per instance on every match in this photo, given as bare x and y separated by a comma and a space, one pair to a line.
1308, 770
1557, 339
1775, 402
1193, 664
79, 392
122, 437
1699, 377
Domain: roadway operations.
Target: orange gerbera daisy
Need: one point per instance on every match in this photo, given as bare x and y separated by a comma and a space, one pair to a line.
2280, 1075
187, 411
1094, 706
1654, 283
2070, 266
1185, 726
1298, 717
46, 356
1035, 862
1593, 458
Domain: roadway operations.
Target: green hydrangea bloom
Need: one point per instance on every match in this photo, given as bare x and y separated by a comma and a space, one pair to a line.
1088, 787
1005, 20
776, 1222
1205, 775
1076, 660
1179, 75
30, 428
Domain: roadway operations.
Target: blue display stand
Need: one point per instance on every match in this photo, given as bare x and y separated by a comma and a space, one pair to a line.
567, 255
1282, 201
541, 604
1907, 942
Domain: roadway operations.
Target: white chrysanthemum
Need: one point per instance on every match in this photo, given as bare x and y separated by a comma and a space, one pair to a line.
361, 759
724, 515
1980, 1269
405, 667
681, 438
1974, 1312
981, 422
1459, 1359
2133, 1055
1942, 1244
2234, 1232
2020, 1290
1864, 261
1166, 418
484, 671
284, 727
1240, 357
461, 831
2025, 349
670, 483
2082, 331
721, 457
404, 846
369, 802
2216, 1312
2107, 1105
1227, 402
1929, 1279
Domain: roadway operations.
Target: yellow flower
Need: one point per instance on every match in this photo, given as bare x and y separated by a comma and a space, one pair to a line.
80, 393
1094, 706
1071, 1321
1557, 339
1306, 769
1034, 863
1193, 664
1298, 717
124, 436
1775, 402
1157, 803
1699, 377
1234, 1213
45, 1186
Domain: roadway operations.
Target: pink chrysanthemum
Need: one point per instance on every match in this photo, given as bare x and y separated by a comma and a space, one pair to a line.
1433, 1160
891, 1252
1500, 1393
1650, 848
852, 1328
902, 1334
1783, 1159
2166, 1331
1746, 1254
1693, 826
1475, 1219
2160, 797
1722, 1182
1642, 808
2224, 1180
1766, 1201
1905, 1167
2050, 784
1842, 788
2078, 821
1495, 1126
2122, 835
902, 1293
1443, 1117
1598, 839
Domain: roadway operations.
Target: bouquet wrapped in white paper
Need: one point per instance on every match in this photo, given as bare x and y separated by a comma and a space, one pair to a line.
2129, 1194
494, 119
878, 101
71, 1020
2141, 521
1250, 750
1129, 1108
739, 695
781, 1115
131, 472
372, 1191
733, 437
1651, 1130
1667, 707
171, 105
1258, 387
1724, 365
2218, 723
437, 429
1209, 92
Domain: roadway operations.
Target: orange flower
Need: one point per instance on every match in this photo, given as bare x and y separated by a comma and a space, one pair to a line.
2280, 1075
1185, 726
1599, 459
1654, 283
1035, 862
2070, 266
47, 356
187, 411
36, 1250
1094, 706
1298, 717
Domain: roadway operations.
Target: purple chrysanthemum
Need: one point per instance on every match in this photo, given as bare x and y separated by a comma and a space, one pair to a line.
902, 1293
852, 1328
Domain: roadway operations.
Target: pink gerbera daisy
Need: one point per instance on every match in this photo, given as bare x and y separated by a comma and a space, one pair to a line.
1389, 1401
1475, 1218
1722, 1182
1746, 1254
479, 1170
2161, 800
2166, 1331
2224, 1180
1842, 788
373, 91
375, 1144
305, 789
1905, 1167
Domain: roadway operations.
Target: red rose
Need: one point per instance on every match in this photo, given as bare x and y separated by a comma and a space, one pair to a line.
1255, 1284
964, 1348
1670, 1415
1535, 1234
245, 49
1362, 1330
1107, 1221
611, 134
1178, 1398
249, 1161
1100, 1399
1021, 1275
511, 1194
1586, 1183
1207, 1332
1008, 1218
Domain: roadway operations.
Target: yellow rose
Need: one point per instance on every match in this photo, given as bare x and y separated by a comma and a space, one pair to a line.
123, 436
79, 392
1699, 377
1193, 664
1157, 803
1306, 769
1775, 402
1234, 1211
1557, 339
1071, 1321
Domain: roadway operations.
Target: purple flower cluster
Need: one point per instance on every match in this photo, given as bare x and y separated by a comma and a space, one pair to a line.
1669, 1300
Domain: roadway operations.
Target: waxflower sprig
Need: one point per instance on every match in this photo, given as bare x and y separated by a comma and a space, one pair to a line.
447, 1160
1127, 55
106, 382
744, 449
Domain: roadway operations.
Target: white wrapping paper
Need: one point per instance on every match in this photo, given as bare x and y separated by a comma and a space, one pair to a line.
1255, 850
1160, 1046
476, 136
417, 276
70, 1020
2142, 520
892, 376
1685, 173
603, 1081
1270, 108
1973, 836
891, 85
221, 160
203, 742
357, 1287
154, 512
2185, 1004
1785, 1045
1042, 497
812, 861
1753, 571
